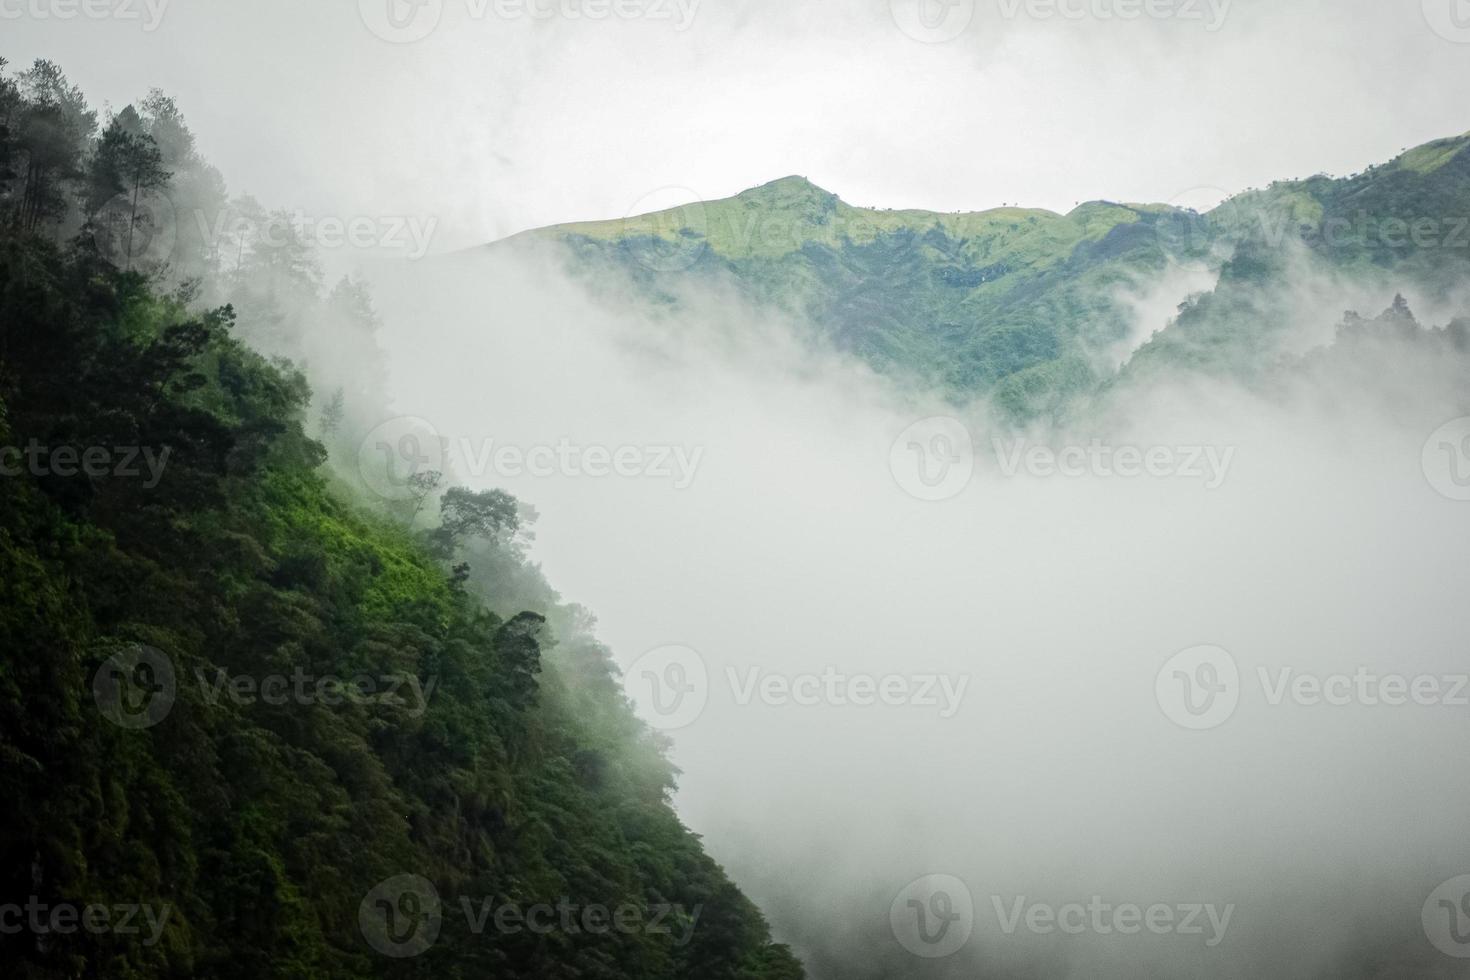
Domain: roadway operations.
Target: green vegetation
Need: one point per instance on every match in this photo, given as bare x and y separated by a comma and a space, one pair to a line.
1431, 156
1400, 227
505, 766
1027, 307
1015, 302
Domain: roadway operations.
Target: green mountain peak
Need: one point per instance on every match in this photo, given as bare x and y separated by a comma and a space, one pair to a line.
1024, 303
786, 215
794, 193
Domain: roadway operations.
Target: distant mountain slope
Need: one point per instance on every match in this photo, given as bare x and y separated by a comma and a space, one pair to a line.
1031, 307
1012, 299
1400, 227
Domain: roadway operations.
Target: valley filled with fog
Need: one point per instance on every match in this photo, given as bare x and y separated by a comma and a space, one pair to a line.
1025, 748
896, 488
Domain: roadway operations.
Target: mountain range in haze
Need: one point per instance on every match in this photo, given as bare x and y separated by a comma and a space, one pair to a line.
1034, 309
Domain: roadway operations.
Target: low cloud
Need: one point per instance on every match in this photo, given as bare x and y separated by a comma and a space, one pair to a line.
1060, 778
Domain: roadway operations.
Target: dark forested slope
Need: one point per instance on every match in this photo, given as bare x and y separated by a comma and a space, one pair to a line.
249, 727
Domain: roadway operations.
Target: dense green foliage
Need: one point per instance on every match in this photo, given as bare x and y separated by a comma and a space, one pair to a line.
506, 768
1027, 307
1012, 301
1395, 228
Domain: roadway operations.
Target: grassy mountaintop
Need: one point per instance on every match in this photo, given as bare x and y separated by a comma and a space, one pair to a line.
969, 300
784, 216
1030, 307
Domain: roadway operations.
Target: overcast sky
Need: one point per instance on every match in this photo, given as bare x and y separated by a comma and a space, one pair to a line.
796, 549
497, 121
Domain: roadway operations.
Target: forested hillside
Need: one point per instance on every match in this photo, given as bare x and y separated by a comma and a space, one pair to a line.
1032, 309
1398, 227
253, 724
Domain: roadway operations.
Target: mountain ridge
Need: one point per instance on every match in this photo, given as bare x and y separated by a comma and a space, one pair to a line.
784, 191
1031, 308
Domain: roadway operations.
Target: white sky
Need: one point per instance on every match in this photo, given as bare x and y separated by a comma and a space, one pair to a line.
493, 124
796, 550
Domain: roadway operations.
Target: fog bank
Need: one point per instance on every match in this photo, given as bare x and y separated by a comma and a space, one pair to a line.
1025, 742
